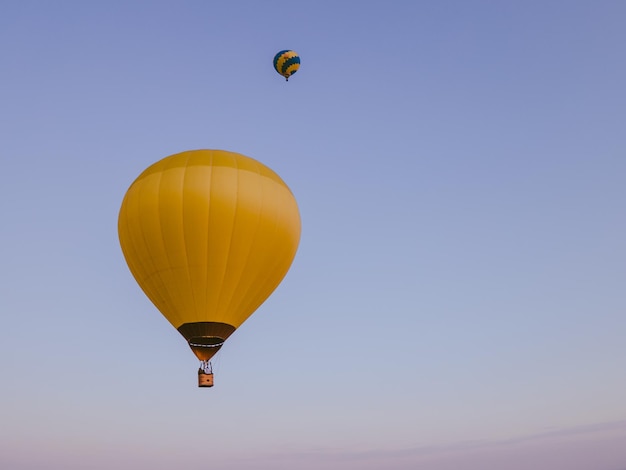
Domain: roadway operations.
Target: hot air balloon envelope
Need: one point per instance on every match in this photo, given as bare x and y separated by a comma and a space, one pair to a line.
286, 63
208, 235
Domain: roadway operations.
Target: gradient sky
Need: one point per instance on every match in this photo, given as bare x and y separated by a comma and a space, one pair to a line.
458, 298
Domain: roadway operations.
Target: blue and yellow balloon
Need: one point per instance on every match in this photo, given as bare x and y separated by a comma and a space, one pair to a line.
286, 63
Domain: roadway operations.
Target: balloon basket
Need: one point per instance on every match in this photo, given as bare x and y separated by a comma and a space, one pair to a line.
204, 379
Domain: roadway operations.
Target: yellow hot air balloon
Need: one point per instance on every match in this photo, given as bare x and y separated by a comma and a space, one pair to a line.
208, 236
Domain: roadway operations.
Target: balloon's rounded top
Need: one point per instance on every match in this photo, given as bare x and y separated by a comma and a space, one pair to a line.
211, 158
286, 63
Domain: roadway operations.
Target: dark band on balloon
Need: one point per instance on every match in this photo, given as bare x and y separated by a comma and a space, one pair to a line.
206, 338
206, 329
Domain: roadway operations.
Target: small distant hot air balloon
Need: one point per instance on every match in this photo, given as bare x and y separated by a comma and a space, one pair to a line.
286, 63
208, 236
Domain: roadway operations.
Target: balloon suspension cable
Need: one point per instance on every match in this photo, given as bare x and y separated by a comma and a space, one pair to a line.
206, 367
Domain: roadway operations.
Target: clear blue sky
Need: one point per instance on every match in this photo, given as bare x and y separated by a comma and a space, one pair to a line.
458, 299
